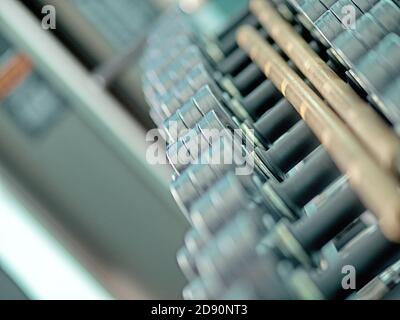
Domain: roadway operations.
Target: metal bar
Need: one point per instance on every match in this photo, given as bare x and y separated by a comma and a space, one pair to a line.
376, 187
379, 139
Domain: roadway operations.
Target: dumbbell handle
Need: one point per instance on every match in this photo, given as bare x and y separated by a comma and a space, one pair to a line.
234, 23
341, 209
265, 96
317, 173
369, 255
228, 43
274, 123
235, 62
251, 76
239, 57
293, 147
248, 79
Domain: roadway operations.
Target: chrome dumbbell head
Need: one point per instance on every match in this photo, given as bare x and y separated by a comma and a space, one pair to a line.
184, 190
187, 264
260, 278
189, 56
197, 289
190, 147
370, 253
190, 113
234, 247
167, 30
259, 281
380, 66
351, 48
221, 202
388, 15
195, 241
205, 100
166, 90
223, 156
391, 99
185, 89
155, 58
196, 78
178, 71
310, 9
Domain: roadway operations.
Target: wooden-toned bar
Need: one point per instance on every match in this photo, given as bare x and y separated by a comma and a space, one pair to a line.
374, 133
376, 187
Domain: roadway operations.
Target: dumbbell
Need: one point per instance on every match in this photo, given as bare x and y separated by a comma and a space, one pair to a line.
250, 78
223, 156
381, 17
194, 242
393, 294
174, 29
232, 64
234, 244
280, 159
284, 199
213, 210
312, 10
256, 104
268, 128
249, 228
391, 98
238, 58
254, 101
380, 67
299, 240
250, 285
376, 20
199, 76
187, 57
236, 240
255, 282
176, 43
263, 98
224, 43
243, 81
352, 45
383, 286
284, 155
369, 254
250, 108
331, 23
210, 212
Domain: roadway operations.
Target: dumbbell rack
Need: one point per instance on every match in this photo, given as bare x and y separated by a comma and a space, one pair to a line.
317, 101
